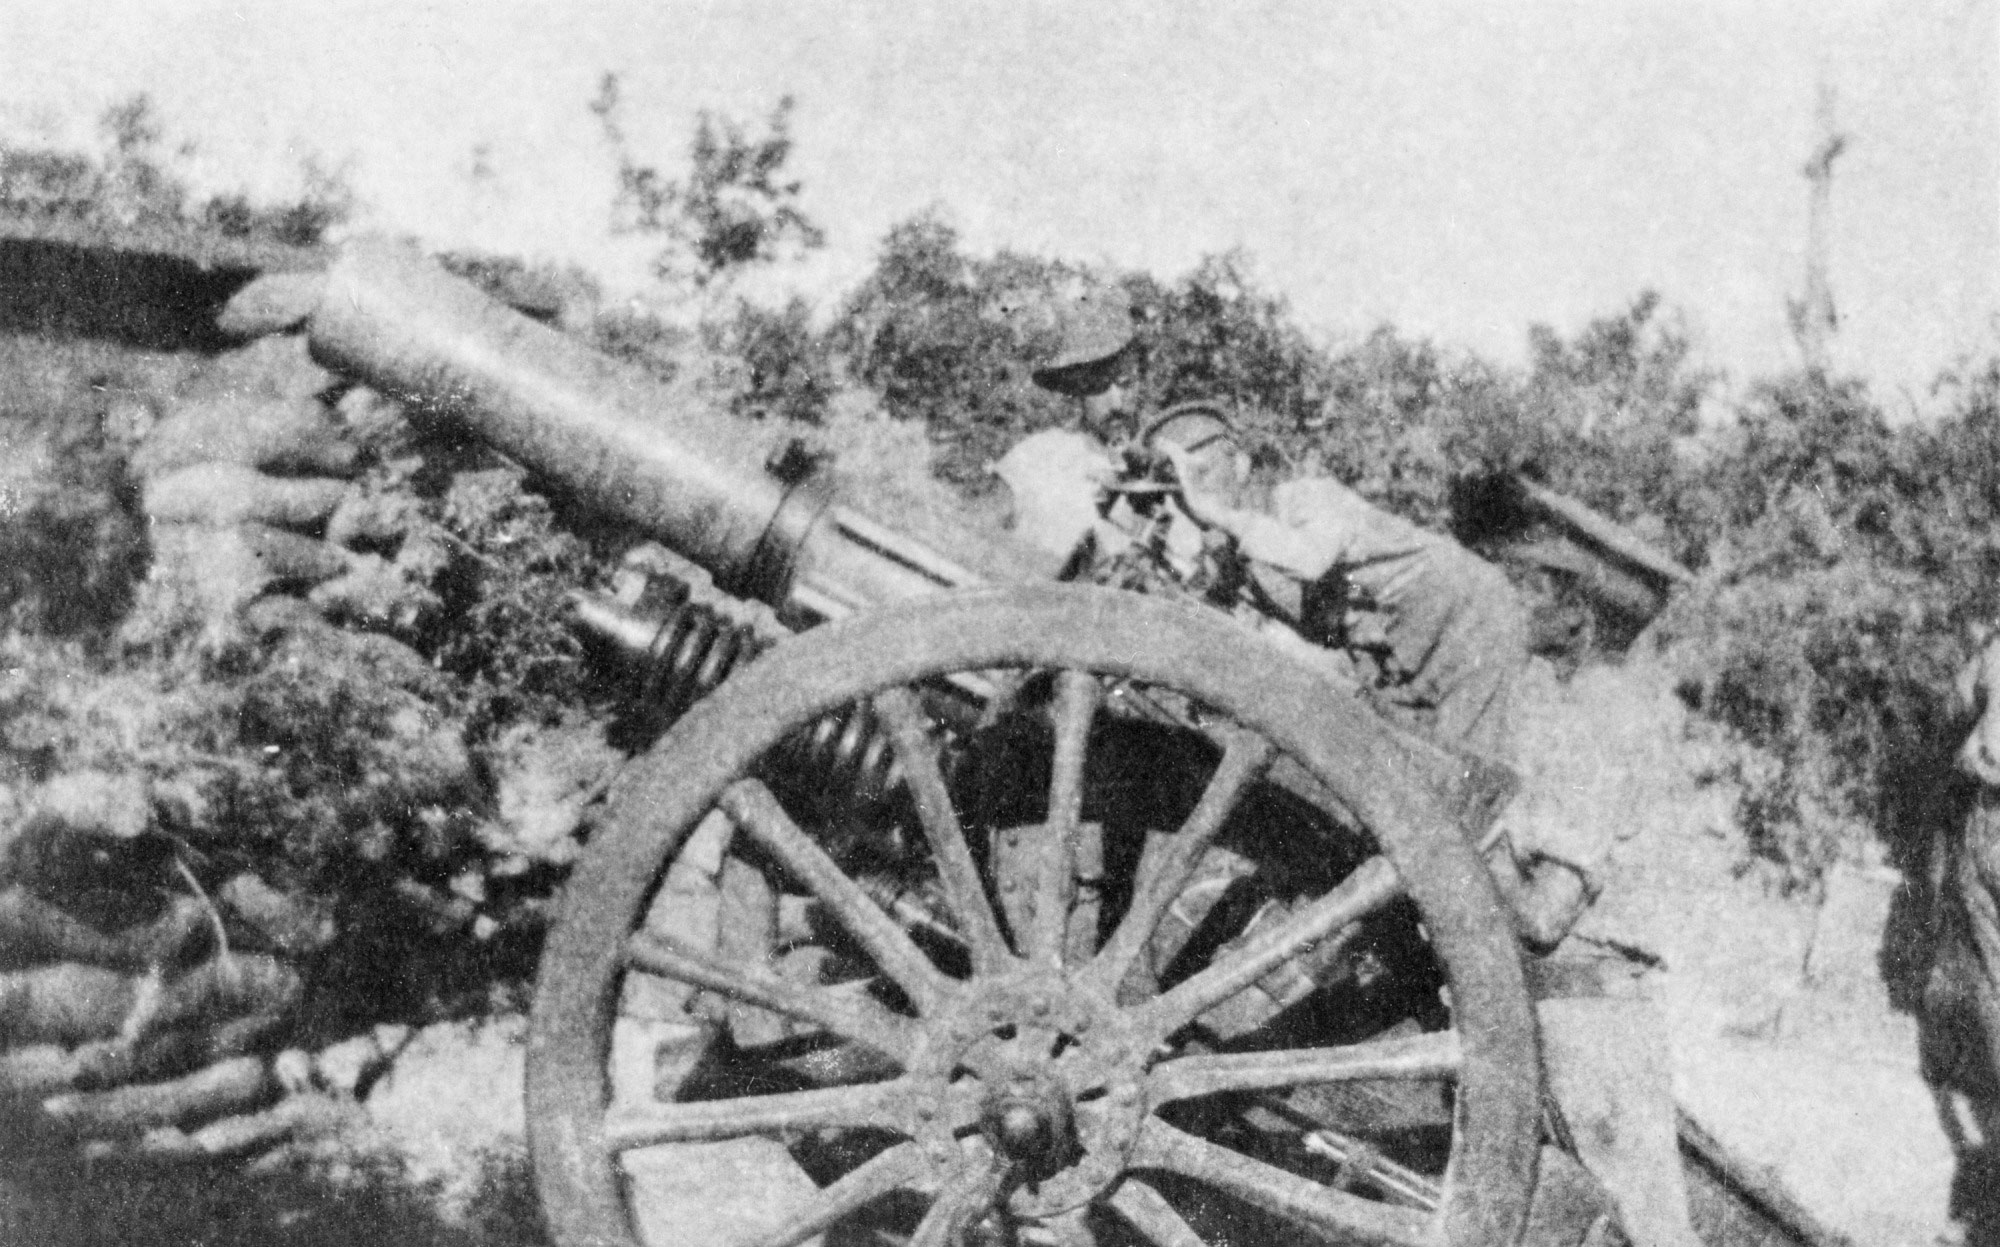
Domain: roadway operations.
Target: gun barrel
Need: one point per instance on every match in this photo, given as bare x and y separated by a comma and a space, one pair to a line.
608, 436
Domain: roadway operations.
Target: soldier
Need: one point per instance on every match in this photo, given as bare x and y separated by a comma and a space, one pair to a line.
1442, 639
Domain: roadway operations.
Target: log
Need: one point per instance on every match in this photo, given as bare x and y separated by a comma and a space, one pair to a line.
179, 1051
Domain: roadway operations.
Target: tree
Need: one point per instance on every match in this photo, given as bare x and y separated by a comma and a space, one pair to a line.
1214, 335
948, 340
137, 185
732, 210
135, 181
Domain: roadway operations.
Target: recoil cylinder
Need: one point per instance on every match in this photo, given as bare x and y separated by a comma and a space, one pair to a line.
681, 649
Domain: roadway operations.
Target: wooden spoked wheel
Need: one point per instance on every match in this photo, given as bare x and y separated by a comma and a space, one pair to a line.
989, 1017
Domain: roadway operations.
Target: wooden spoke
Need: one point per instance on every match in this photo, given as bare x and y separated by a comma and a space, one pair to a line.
846, 1014
758, 813
1068, 1229
1148, 1212
1077, 696
901, 713
1033, 869
1086, 906
1052, 876
1432, 1055
881, 1105
960, 1203
1301, 1201
1168, 861
1371, 886
902, 1166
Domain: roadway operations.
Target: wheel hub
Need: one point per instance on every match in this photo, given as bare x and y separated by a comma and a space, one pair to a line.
1048, 1075
1029, 1120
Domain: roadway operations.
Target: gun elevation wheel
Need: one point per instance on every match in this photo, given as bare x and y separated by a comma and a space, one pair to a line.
1092, 972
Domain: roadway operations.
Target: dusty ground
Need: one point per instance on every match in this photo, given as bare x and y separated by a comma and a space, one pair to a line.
1785, 1044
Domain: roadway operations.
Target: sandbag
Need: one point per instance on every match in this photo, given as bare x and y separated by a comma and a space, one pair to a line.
232, 1086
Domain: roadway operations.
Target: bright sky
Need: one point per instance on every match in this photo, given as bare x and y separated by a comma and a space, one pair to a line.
1460, 168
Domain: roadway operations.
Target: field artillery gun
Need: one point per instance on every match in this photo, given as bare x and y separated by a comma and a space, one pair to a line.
981, 909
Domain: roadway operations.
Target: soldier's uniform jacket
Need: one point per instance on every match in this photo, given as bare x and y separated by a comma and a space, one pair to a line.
1444, 630
1450, 632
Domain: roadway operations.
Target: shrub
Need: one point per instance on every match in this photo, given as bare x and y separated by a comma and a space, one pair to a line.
1607, 419
1396, 418
1214, 335
779, 366
508, 638
732, 210
1835, 673
1853, 556
325, 202
133, 182
945, 340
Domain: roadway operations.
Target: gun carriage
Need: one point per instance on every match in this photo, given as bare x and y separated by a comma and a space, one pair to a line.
1007, 910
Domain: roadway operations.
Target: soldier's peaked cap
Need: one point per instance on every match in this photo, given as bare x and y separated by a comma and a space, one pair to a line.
1194, 427
1093, 328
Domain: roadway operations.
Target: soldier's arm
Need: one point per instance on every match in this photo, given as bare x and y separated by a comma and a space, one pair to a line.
1309, 531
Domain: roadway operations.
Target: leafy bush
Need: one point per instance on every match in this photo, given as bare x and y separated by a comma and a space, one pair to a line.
946, 340
507, 638
1853, 556
1395, 420
325, 202
133, 182
1214, 335
733, 209
779, 366
1834, 675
